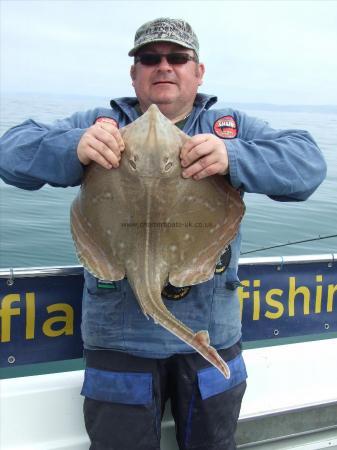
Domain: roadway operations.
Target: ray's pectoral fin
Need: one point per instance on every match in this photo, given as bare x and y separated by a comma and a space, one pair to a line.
90, 252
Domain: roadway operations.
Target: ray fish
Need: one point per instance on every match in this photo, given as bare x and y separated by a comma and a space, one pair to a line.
144, 221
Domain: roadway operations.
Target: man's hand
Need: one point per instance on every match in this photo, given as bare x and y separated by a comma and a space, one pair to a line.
101, 143
204, 155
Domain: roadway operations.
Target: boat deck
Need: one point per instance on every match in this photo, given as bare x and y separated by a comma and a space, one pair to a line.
289, 308
290, 403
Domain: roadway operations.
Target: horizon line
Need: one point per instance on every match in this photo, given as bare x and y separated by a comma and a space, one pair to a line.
228, 102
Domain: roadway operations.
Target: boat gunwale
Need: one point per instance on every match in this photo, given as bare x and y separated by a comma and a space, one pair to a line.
27, 272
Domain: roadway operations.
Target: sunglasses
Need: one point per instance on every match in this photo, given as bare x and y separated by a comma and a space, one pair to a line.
152, 59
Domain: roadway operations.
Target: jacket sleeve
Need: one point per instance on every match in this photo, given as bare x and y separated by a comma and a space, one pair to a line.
286, 165
33, 154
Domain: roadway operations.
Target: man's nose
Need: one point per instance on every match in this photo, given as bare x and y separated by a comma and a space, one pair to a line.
164, 64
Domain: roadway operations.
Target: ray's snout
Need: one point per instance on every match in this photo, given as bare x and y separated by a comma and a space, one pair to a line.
159, 142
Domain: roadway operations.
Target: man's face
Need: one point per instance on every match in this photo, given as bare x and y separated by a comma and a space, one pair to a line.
166, 84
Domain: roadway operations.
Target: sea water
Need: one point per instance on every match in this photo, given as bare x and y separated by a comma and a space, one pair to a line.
34, 225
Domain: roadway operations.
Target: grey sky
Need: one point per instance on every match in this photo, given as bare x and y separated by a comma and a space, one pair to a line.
255, 51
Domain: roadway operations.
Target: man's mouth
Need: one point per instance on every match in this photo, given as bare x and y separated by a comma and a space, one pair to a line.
163, 82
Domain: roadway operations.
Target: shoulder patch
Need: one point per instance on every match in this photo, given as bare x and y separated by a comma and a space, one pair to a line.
225, 127
108, 120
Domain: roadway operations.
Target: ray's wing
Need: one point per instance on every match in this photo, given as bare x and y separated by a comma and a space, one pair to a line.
99, 218
206, 216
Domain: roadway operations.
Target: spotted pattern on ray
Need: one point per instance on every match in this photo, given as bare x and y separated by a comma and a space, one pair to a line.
145, 221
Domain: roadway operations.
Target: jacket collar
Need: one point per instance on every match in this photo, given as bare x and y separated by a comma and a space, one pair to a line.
126, 105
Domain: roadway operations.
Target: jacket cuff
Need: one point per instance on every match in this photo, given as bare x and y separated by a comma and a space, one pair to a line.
76, 168
233, 163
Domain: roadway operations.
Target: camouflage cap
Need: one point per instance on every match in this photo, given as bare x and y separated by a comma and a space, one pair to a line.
165, 29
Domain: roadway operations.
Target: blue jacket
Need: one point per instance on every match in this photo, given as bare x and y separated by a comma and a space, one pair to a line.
286, 165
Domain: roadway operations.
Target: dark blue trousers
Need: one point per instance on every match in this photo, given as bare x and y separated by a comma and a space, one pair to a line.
125, 398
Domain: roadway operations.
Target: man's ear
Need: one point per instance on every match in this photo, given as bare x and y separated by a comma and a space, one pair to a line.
201, 73
133, 73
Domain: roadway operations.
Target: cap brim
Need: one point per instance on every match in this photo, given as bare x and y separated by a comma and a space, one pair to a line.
134, 50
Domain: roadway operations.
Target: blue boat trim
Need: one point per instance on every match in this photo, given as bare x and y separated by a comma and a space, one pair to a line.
212, 382
283, 299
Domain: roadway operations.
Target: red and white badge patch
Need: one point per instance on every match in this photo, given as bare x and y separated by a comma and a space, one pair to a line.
225, 127
108, 120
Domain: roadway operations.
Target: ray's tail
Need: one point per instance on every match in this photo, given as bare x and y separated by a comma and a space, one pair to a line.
152, 305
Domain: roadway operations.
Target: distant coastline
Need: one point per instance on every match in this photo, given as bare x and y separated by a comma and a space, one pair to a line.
322, 109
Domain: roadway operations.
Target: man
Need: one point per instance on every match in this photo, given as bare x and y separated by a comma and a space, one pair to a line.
132, 365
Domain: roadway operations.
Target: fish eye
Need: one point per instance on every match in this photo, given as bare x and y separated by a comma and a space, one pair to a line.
132, 164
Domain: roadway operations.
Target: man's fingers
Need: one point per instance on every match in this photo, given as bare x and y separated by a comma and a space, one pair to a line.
102, 143
196, 152
100, 159
111, 139
191, 143
113, 131
207, 172
200, 165
104, 151
202, 154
